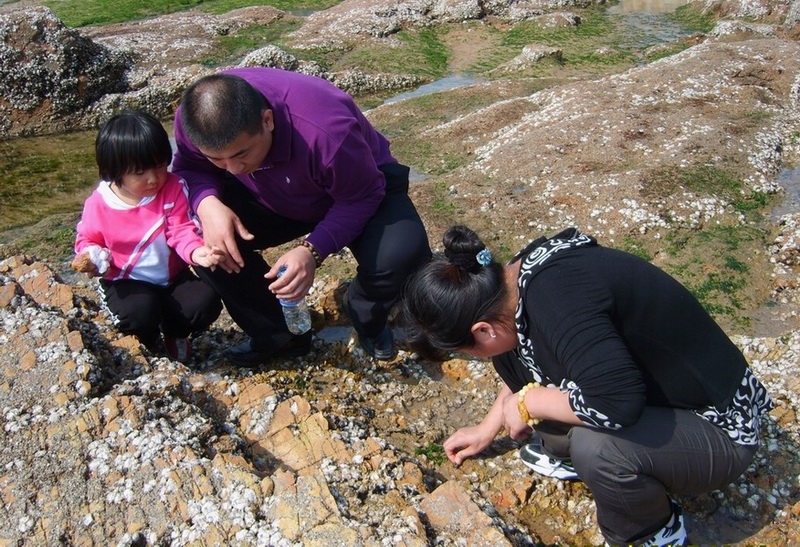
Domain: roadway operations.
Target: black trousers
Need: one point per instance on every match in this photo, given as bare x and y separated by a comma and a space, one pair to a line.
632, 471
183, 307
392, 244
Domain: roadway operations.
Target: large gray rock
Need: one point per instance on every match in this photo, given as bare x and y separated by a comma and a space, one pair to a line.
341, 24
792, 22
48, 70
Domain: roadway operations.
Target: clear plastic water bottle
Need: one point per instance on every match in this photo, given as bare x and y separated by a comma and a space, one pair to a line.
296, 314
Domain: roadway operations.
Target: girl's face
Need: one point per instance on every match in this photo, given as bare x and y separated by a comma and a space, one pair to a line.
136, 185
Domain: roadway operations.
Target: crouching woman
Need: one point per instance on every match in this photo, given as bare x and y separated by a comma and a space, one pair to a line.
625, 380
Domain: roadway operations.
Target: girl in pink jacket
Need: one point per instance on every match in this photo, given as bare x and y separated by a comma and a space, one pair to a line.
137, 235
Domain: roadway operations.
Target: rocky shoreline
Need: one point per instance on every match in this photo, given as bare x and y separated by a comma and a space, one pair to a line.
102, 442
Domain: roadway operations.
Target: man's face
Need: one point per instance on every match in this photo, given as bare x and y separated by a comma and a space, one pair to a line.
246, 153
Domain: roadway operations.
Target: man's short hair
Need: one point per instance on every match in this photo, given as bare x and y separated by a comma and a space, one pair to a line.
216, 109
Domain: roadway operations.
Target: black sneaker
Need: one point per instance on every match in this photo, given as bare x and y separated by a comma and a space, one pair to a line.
380, 347
673, 534
243, 355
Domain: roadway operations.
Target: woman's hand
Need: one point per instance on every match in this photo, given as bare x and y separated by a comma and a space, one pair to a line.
220, 228
469, 441
517, 429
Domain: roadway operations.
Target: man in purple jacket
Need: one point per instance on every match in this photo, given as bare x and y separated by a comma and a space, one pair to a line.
271, 156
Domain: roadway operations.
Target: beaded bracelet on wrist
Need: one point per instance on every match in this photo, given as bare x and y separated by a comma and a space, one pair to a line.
523, 409
314, 252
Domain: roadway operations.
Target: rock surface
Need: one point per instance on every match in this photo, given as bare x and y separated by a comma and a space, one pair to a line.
583, 132
49, 72
54, 79
104, 443
375, 19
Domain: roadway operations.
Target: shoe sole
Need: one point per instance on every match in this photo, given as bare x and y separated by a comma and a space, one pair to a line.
548, 472
378, 356
381, 357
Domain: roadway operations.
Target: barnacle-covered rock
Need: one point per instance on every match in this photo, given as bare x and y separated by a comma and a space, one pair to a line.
48, 70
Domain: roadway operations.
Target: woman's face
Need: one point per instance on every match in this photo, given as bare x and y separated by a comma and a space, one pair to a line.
490, 340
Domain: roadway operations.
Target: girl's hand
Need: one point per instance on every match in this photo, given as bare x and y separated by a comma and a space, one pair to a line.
93, 261
207, 256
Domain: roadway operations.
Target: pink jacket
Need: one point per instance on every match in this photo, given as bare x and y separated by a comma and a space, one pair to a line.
152, 241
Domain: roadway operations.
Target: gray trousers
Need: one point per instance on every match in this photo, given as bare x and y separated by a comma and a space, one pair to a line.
632, 471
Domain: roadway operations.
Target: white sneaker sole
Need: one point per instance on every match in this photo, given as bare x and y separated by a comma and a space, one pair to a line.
545, 465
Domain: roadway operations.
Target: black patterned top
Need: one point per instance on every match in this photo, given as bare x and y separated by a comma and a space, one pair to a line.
617, 334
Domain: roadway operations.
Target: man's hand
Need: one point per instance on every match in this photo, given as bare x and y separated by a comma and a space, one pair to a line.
220, 228
298, 277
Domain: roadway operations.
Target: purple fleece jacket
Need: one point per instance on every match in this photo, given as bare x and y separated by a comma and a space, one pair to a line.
323, 164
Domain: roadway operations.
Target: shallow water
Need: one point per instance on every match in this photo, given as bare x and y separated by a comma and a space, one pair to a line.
646, 6
644, 23
789, 179
643, 30
444, 84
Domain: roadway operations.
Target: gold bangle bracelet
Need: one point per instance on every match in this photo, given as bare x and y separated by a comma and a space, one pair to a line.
314, 252
523, 409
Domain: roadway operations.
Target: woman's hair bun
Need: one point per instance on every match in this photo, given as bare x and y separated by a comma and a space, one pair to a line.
461, 245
